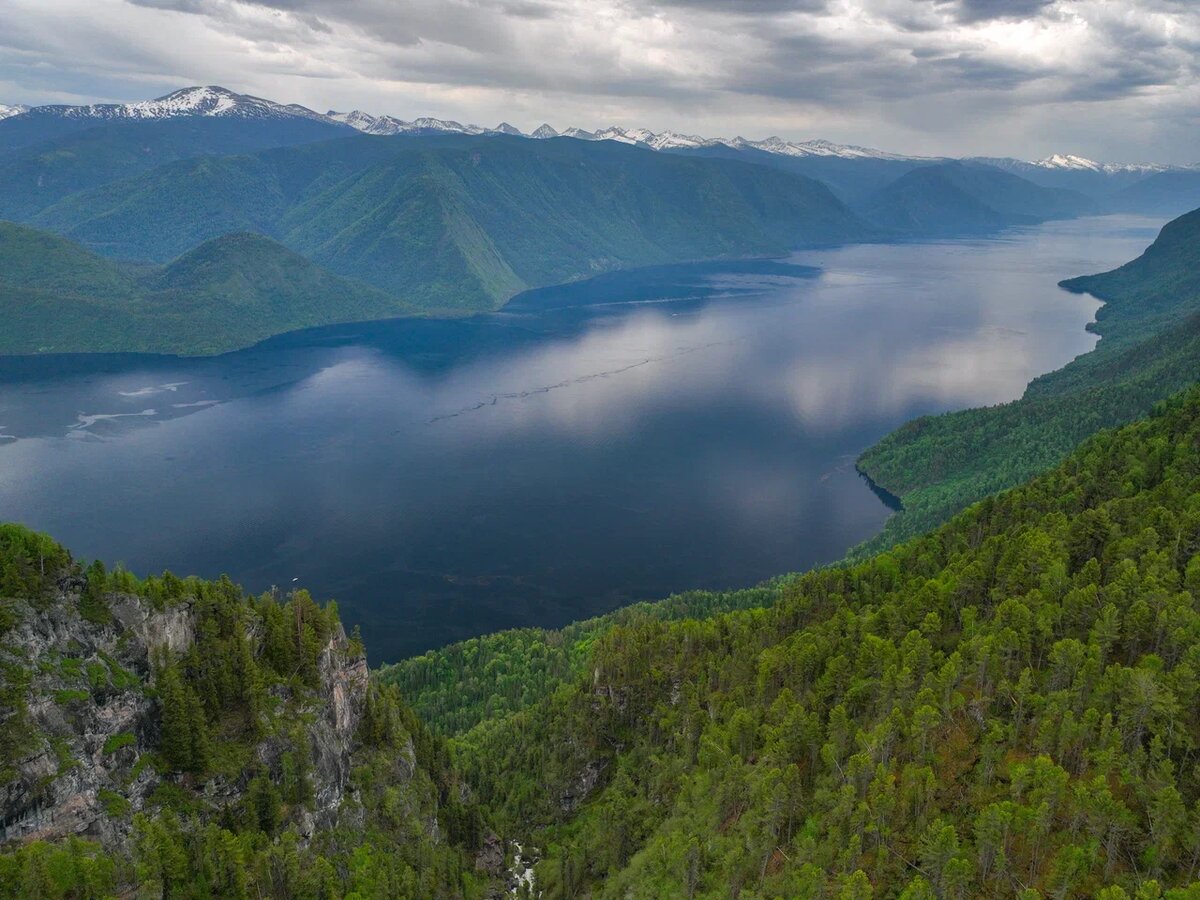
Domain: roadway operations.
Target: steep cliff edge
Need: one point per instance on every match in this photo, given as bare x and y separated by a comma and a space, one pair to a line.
179, 738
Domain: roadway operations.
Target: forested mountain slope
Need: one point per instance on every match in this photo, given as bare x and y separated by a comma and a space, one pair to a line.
229, 292
36, 176
1163, 193
459, 687
955, 198
1149, 348
1005, 707
174, 738
457, 222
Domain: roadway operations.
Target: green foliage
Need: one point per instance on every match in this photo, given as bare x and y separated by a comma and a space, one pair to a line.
1150, 349
238, 705
115, 742
227, 293
29, 564
455, 688
75, 869
454, 223
114, 804
1007, 706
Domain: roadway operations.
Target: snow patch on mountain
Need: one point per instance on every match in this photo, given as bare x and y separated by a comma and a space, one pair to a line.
194, 101
216, 101
1083, 164
389, 125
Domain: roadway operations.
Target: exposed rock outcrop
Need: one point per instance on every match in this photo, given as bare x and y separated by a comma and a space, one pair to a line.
86, 724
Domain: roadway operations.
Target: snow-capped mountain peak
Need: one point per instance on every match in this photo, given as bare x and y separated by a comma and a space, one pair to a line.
1071, 162
210, 101
216, 101
365, 122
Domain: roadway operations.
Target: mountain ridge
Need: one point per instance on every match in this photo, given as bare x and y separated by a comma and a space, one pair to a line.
216, 101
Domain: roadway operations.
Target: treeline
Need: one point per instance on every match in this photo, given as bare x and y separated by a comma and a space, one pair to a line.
1008, 706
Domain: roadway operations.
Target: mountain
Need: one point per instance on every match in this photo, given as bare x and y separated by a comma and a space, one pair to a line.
229, 292
388, 125
1163, 193
39, 175
955, 198
7, 111
1154, 292
1103, 182
170, 737
210, 101
1149, 348
44, 123
462, 222
854, 172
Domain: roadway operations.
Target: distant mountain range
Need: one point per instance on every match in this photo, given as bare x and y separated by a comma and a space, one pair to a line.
386, 217
220, 102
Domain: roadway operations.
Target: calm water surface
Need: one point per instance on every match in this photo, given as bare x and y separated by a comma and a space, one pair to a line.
590, 446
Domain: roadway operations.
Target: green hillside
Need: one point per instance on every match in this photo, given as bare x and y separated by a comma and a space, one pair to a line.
36, 176
1005, 707
230, 292
452, 223
1149, 348
956, 198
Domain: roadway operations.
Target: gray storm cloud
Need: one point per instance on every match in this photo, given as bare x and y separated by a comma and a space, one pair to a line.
1022, 77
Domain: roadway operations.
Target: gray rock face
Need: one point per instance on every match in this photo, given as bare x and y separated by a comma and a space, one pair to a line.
89, 722
344, 690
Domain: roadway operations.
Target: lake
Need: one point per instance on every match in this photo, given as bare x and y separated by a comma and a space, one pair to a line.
589, 446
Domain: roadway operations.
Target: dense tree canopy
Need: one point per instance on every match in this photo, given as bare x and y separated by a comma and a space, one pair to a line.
1007, 706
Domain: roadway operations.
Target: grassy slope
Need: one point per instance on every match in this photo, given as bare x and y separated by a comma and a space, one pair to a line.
228, 293
1004, 705
1149, 348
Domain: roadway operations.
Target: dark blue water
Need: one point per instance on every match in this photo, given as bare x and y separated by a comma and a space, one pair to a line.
590, 446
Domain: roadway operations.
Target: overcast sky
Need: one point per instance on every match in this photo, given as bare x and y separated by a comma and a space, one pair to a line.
1111, 79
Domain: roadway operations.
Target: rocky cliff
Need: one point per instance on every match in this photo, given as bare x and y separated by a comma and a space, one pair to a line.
91, 720
154, 729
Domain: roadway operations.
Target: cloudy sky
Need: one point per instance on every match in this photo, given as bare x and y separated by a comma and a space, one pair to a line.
1111, 79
